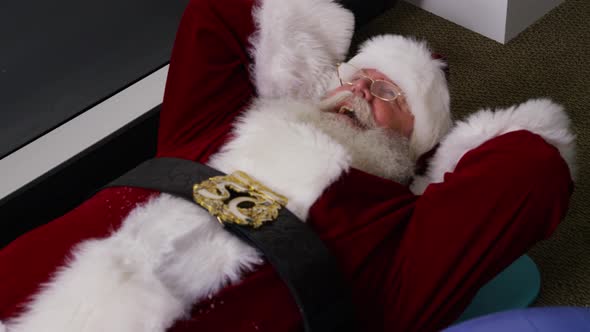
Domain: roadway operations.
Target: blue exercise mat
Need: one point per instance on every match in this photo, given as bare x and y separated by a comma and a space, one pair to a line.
546, 319
516, 287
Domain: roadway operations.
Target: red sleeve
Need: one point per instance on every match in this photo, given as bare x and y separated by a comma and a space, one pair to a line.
208, 81
502, 198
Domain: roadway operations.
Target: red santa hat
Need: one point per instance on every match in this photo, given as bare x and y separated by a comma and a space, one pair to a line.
409, 63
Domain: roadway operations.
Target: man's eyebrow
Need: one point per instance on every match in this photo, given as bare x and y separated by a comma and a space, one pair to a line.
378, 75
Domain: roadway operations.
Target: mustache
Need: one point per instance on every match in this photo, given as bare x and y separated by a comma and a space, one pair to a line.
361, 108
328, 104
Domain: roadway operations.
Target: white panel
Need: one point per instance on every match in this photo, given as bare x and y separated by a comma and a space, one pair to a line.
487, 17
522, 13
50, 150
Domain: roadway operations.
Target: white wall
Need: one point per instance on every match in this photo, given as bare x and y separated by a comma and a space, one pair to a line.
500, 20
522, 13
64, 142
486, 17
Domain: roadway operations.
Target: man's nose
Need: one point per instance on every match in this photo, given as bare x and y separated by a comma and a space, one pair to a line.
362, 88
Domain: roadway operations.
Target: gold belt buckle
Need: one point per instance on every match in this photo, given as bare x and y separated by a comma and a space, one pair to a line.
238, 198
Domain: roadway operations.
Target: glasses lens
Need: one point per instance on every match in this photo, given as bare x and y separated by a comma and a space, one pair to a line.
349, 73
385, 90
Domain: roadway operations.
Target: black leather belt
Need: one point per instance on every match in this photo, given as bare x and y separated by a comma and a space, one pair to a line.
294, 250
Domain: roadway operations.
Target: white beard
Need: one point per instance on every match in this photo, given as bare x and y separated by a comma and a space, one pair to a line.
375, 150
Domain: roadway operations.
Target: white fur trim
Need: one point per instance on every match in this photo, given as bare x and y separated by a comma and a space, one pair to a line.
170, 253
293, 158
2, 328
167, 254
539, 116
410, 65
105, 288
297, 45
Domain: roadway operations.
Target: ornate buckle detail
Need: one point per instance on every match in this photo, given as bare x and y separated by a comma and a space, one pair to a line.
237, 198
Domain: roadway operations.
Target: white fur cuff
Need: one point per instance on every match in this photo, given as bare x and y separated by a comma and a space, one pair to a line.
297, 45
540, 116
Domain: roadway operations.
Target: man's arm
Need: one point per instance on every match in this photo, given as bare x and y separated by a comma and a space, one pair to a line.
540, 116
224, 53
507, 189
208, 82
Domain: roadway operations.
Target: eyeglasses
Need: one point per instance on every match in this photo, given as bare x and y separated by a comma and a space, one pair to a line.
384, 90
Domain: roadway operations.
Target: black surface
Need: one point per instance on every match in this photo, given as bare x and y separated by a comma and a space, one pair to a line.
366, 10
58, 58
65, 187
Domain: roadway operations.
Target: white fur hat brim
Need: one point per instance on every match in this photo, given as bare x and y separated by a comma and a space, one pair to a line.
409, 63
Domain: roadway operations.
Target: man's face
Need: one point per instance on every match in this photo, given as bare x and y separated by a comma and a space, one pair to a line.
395, 115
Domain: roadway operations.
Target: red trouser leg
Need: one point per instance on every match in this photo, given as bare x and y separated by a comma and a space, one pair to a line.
31, 259
208, 81
502, 198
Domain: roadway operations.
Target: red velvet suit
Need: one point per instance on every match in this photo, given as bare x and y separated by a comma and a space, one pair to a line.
413, 262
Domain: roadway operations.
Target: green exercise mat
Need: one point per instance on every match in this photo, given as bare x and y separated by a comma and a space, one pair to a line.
516, 287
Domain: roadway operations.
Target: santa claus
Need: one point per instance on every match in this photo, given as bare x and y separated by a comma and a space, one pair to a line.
340, 140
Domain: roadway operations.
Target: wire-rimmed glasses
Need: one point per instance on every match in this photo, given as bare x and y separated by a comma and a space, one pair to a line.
384, 90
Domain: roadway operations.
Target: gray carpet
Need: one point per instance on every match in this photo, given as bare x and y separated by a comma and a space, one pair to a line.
549, 59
